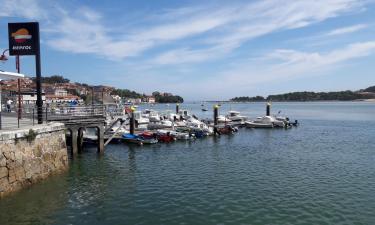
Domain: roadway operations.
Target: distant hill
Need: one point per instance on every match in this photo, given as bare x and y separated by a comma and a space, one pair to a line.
314, 96
370, 89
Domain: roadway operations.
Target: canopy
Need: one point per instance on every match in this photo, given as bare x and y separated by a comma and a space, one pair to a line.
9, 75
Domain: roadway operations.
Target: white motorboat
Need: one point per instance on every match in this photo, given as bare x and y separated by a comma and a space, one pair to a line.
160, 125
223, 119
140, 118
265, 122
152, 115
198, 125
176, 134
236, 116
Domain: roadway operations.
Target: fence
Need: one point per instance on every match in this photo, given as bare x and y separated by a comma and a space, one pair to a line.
9, 118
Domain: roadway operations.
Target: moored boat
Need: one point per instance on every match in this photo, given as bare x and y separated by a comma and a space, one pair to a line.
265, 122
132, 138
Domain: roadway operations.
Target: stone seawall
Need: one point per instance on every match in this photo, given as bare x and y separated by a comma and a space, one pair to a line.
27, 156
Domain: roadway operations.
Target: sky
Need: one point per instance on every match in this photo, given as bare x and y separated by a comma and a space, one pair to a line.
202, 50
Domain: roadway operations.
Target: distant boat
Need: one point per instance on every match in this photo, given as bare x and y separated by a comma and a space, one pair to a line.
204, 109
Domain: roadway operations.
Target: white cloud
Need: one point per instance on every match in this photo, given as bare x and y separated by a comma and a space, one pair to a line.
296, 63
217, 29
29, 9
346, 30
246, 22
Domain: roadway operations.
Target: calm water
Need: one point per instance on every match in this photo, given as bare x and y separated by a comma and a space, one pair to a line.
322, 172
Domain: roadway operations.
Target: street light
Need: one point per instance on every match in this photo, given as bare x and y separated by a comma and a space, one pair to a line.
3, 57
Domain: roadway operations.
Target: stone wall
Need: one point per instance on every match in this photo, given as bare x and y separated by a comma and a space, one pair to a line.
27, 157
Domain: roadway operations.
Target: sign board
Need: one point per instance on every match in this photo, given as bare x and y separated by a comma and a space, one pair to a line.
23, 38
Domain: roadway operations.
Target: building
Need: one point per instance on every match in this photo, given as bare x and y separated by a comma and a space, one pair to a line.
149, 99
29, 97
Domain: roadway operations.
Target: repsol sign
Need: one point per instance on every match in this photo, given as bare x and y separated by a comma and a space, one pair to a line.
23, 38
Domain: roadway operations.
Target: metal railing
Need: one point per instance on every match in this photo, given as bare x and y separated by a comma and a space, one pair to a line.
60, 113
12, 118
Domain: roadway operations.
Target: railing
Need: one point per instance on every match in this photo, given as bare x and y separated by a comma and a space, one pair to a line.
10, 119
60, 113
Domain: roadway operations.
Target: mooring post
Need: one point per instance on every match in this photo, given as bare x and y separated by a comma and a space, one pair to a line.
101, 139
74, 134
216, 114
80, 140
268, 109
177, 108
132, 122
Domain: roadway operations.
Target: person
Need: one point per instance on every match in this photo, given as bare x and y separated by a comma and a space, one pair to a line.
9, 103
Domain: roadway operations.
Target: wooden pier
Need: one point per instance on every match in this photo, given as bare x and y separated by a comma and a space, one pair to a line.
77, 119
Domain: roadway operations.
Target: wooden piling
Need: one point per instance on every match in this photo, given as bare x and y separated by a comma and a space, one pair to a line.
216, 114
268, 109
101, 139
80, 140
132, 122
177, 108
74, 134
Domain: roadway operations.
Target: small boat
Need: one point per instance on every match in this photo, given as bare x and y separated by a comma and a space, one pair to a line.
165, 136
132, 138
236, 116
253, 124
204, 109
227, 129
265, 122
223, 119
182, 135
148, 137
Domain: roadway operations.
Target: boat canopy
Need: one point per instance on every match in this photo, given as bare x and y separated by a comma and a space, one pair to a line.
10, 75
234, 113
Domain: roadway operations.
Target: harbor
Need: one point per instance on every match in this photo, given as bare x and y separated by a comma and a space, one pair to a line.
292, 174
187, 112
130, 125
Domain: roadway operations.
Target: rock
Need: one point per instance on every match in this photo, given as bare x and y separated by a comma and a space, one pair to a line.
3, 160
37, 151
3, 172
4, 184
20, 173
18, 156
12, 176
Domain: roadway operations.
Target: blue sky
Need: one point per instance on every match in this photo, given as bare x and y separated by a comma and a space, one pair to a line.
202, 50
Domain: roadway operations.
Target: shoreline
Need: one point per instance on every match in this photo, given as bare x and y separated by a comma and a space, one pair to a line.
358, 100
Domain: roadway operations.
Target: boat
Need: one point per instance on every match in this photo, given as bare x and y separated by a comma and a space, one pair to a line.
182, 135
132, 138
236, 117
227, 129
223, 119
140, 119
265, 122
195, 125
153, 116
165, 136
148, 137
160, 125
204, 109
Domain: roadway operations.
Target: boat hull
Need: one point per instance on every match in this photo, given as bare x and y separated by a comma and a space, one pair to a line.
259, 125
